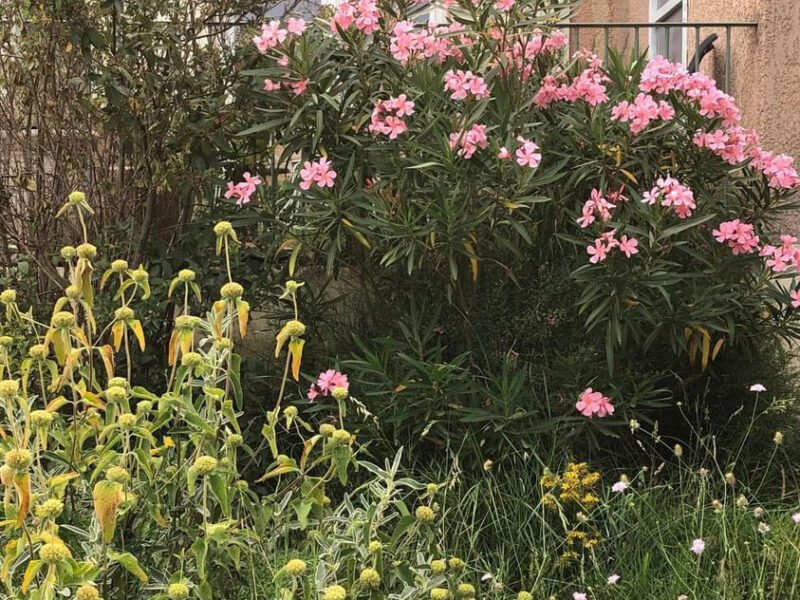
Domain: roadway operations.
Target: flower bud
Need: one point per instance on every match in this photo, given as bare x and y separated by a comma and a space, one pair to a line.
440, 594
678, 450
186, 275
327, 430
8, 297
49, 509
730, 479
294, 328
335, 592
62, 320
87, 592
224, 343
118, 475
370, 578
119, 265
76, 198
118, 382
241, 485
425, 514
205, 465
456, 563
375, 547
524, 596
9, 388
438, 567
116, 394
742, 501
53, 553
231, 291
296, 567
191, 360
86, 251
41, 418
67, 252
290, 412
177, 591
140, 276
124, 313
234, 440
38, 352
341, 436
465, 590
778, 439
6, 341
144, 407
126, 421
223, 228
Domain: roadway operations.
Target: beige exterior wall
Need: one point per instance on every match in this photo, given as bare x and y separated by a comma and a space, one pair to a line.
765, 75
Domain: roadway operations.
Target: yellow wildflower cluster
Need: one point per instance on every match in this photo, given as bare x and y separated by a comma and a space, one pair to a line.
574, 486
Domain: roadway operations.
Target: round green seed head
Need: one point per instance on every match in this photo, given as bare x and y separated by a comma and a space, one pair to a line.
144, 407
19, 459
186, 275
224, 343
67, 252
283, 460
8, 297
205, 465
241, 485
290, 411
124, 313
38, 352
234, 440
53, 553
191, 360
524, 596
440, 594
335, 592
185, 322
118, 475
41, 418
326, 429
87, 251
140, 276
126, 421
231, 291
76, 197
425, 514
223, 228
456, 564
370, 578
119, 266
177, 591
87, 592
341, 436
6, 341
438, 567
63, 319
118, 382
49, 509
340, 393
294, 328
73, 292
116, 394
465, 590
375, 547
9, 388
296, 567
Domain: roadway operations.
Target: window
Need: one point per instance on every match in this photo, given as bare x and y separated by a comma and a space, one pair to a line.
669, 42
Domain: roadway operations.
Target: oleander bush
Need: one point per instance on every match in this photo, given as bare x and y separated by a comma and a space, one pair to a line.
506, 223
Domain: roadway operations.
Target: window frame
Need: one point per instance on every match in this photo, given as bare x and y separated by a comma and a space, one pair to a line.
658, 15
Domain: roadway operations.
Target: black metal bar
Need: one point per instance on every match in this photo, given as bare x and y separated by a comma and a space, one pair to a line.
601, 24
727, 59
606, 42
636, 41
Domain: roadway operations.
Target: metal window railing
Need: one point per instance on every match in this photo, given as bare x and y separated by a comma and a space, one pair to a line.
637, 28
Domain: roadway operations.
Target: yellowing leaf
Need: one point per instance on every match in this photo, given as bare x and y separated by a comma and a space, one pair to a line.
117, 332
296, 350
30, 574
107, 498
22, 483
136, 326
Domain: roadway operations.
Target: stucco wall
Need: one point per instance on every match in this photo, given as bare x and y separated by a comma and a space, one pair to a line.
765, 77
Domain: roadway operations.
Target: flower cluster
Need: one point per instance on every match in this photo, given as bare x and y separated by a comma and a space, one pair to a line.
597, 206
607, 242
387, 116
593, 403
319, 172
272, 35
527, 153
671, 193
589, 86
297, 87
326, 383
740, 237
521, 54
641, 112
469, 141
464, 84
243, 190
363, 14
409, 42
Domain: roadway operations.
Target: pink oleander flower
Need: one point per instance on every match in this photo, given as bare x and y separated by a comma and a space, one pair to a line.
598, 252
312, 393
504, 154
596, 206
672, 194
363, 14
591, 404
319, 172
468, 142
295, 26
796, 517
578, 596
613, 579
698, 546
740, 237
757, 387
299, 87
386, 116
628, 246
528, 153
242, 191
271, 36
464, 84
330, 380
641, 112
504, 5
271, 86
283, 61
795, 296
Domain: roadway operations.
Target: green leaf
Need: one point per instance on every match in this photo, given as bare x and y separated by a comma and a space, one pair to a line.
130, 563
